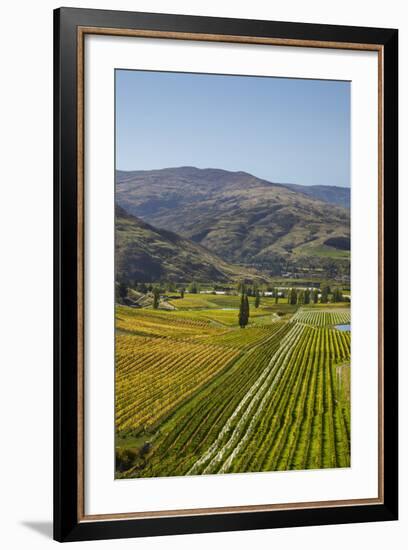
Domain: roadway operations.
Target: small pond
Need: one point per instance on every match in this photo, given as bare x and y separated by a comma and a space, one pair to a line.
343, 327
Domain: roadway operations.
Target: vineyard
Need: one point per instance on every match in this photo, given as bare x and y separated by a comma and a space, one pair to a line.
195, 394
322, 318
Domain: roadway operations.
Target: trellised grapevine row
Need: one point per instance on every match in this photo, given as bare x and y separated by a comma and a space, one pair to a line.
222, 399
322, 318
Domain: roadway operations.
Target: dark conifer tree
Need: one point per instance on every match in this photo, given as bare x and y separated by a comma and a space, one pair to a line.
243, 315
293, 296
325, 295
337, 295
156, 297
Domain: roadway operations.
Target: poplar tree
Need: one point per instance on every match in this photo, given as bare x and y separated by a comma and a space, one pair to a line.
257, 299
156, 298
325, 295
337, 295
246, 309
243, 315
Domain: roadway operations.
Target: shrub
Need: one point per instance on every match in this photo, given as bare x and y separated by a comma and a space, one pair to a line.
124, 459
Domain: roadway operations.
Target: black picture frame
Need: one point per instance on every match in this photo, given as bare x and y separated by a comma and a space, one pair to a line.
67, 523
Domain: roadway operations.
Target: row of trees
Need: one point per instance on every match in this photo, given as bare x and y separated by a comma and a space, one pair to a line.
303, 296
145, 288
193, 288
293, 295
169, 286
312, 296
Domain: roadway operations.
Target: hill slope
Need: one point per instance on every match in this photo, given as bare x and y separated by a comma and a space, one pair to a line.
241, 218
144, 253
339, 196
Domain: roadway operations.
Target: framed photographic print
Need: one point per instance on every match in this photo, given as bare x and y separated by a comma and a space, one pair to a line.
225, 274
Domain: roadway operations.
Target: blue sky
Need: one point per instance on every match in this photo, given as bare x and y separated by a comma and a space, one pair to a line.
283, 130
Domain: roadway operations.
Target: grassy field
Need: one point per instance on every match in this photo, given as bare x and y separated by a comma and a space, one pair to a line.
219, 301
323, 251
196, 394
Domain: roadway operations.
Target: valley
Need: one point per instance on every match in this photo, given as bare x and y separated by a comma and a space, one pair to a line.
232, 324
248, 222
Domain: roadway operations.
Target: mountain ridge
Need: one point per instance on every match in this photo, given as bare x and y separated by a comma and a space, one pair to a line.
333, 194
242, 219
